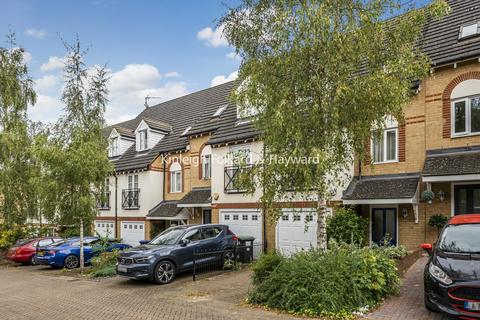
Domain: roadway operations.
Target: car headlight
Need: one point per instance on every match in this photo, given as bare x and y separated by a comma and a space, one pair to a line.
143, 259
439, 274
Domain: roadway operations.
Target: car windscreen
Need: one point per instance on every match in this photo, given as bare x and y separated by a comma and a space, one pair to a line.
58, 243
463, 238
169, 236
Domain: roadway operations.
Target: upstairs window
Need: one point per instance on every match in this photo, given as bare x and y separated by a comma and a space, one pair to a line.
113, 147
220, 110
385, 146
468, 31
466, 116
132, 182
175, 177
206, 162
143, 140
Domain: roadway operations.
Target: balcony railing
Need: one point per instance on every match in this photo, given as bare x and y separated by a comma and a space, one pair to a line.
104, 202
232, 178
130, 198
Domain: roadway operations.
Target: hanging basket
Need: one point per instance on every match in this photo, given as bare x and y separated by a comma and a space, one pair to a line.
428, 196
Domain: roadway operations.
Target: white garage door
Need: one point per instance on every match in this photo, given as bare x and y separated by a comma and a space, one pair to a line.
104, 228
296, 231
133, 232
244, 223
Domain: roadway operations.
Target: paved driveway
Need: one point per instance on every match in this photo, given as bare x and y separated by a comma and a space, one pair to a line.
36, 293
409, 305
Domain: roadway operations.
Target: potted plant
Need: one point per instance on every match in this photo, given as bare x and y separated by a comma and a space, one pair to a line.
428, 196
437, 221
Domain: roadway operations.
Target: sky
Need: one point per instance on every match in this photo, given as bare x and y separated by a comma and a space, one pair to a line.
160, 48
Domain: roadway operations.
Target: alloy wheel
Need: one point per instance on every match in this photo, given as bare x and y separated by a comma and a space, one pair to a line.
165, 272
71, 262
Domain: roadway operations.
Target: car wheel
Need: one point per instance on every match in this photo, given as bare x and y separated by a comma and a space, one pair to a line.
32, 261
427, 304
164, 272
71, 262
228, 259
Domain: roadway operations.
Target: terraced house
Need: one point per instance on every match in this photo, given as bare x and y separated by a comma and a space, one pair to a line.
436, 148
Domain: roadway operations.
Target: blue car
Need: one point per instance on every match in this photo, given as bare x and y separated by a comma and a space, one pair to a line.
66, 253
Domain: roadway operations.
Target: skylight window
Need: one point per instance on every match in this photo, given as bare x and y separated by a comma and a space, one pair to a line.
186, 131
468, 31
220, 111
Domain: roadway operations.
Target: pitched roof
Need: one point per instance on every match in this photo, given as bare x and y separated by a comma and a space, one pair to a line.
165, 209
157, 124
453, 161
399, 186
196, 196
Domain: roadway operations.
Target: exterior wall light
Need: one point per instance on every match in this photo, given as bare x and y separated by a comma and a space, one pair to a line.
441, 195
405, 213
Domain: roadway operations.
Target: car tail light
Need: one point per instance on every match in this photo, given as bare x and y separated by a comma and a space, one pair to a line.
19, 251
51, 252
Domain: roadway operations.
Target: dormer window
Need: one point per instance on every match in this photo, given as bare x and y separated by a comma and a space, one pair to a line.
468, 31
113, 147
143, 139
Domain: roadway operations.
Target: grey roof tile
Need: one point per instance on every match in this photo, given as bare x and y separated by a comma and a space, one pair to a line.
165, 209
197, 196
400, 186
454, 161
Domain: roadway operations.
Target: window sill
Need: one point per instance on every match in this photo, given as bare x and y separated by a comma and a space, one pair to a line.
104, 209
464, 135
175, 192
385, 162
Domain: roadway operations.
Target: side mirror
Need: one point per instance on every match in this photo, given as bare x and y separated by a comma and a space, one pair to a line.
427, 247
184, 242
142, 242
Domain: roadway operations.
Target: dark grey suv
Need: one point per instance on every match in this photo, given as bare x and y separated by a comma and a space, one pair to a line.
173, 250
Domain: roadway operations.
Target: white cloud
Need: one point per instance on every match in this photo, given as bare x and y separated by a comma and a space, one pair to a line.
173, 74
222, 79
46, 83
54, 63
233, 56
36, 33
47, 109
215, 38
133, 77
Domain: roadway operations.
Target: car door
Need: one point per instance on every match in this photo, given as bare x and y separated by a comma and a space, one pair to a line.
186, 252
212, 244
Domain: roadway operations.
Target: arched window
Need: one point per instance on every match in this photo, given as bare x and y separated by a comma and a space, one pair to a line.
465, 111
206, 162
175, 177
385, 143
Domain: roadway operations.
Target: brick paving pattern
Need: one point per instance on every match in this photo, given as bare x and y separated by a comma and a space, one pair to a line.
409, 304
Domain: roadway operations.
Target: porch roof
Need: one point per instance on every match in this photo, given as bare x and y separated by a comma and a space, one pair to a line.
398, 188
197, 197
452, 164
165, 209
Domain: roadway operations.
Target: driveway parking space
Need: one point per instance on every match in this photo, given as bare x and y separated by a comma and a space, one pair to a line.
38, 293
409, 304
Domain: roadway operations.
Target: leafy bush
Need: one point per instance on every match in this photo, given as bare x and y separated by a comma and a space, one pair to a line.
392, 252
8, 237
348, 227
104, 265
437, 221
331, 284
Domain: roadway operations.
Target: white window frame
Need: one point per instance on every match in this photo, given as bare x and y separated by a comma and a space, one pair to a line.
468, 118
235, 149
384, 140
113, 146
206, 162
175, 178
132, 182
143, 139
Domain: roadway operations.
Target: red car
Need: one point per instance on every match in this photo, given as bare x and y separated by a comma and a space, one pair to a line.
24, 252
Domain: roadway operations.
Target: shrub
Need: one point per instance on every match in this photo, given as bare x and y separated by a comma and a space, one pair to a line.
331, 284
437, 221
8, 237
263, 267
348, 227
104, 265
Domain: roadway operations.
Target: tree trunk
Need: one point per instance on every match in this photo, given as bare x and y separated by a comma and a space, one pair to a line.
82, 257
321, 224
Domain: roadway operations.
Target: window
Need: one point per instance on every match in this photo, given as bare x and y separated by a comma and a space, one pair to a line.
254, 217
245, 217
193, 235
468, 31
212, 232
133, 181
227, 217
309, 218
175, 177
235, 217
220, 110
186, 131
466, 116
240, 155
206, 162
142, 140
113, 147
285, 217
384, 147
296, 217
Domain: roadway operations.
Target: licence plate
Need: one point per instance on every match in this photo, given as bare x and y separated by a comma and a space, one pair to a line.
122, 268
40, 253
474, 306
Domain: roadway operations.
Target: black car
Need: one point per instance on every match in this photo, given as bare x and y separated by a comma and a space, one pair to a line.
452, 274
173, 250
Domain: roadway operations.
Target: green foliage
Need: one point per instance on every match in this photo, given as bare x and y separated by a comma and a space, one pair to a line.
263, 267
104, 264
427, 195
316, 77
334, 283
437, 221
70, 232
393, 252
347, 226
9, 237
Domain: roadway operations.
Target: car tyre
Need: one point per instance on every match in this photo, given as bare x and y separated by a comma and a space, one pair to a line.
427, 304
71, 262
164, 272
31, 260
228, 259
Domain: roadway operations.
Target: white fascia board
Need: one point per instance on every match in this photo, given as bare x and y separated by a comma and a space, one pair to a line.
380, 201
453, 178
195, 205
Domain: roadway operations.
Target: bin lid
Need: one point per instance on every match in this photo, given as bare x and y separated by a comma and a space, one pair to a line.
246, 238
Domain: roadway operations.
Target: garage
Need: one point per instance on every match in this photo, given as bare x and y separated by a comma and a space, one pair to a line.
104, 228
297, 230
244, 223
132, 232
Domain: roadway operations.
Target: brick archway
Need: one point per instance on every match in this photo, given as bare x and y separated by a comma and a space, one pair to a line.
446, 108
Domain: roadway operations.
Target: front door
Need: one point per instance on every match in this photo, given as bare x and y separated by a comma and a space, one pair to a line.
384, 225
207, 216
467, 199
